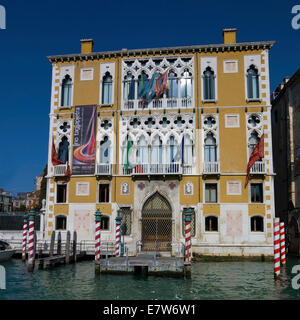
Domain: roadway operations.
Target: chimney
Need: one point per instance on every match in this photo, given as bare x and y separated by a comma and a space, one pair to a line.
87, 45
286, 80
229, 36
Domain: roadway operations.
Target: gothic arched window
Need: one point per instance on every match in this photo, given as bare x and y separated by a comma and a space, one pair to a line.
156, 154
66, 91
186, 85
107, 84
171, 149
210, 148
105, 150
188, 151
252, 83
129, 87
209, 84
173, 85
142, 151
63, 150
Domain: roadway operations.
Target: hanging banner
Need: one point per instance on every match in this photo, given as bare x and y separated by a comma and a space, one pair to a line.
84, 143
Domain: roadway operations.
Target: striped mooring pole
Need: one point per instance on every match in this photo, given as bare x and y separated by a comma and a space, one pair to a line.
31, 244
24, 240
118, 238
282, 244
276, 249
98, 216
188, 244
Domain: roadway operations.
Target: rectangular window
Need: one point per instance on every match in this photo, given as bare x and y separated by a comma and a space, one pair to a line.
257, 192
61, 193
103, 192
211, 190
105, 223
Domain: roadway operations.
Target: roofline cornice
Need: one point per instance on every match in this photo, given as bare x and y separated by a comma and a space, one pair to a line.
165, 50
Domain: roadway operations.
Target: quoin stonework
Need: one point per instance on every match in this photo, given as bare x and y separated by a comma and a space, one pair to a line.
147, 133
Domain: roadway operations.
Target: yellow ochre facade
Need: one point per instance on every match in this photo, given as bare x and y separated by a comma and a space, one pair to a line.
188, 147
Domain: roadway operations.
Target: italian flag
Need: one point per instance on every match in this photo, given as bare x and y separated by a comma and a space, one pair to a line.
129, 164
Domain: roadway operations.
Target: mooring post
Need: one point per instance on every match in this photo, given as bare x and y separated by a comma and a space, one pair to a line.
188, 246
117, 245
75, 246
68, 247
59, 244
98, 216
282, 244
24, 240
276, 249
52, 243
31, 256
127, 262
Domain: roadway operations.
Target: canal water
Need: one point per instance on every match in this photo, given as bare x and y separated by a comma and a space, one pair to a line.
210, 280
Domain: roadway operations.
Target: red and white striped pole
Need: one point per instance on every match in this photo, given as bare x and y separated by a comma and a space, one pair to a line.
276, 249
188, 243
24, 240
282, 244
31, 256
118, 237
97, 240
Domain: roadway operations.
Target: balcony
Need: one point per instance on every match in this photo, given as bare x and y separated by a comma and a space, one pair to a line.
60, 170
103, 169
164, 103
259, 167
211, 168
152, 169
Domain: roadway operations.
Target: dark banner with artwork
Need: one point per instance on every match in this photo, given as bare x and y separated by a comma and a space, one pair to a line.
84, 143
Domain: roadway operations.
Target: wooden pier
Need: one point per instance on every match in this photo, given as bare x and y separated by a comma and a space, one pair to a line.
143, 264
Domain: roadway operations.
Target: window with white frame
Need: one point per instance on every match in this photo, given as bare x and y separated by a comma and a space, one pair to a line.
61, 193
211, 192
210, 148
209, 85
252, 83
257, 224
66, 91
211, 224
107, 86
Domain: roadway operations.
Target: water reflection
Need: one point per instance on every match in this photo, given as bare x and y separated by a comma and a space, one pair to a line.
210, 280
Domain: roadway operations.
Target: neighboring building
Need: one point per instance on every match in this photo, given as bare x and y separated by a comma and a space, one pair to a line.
217, 107
26, 200
286, 153
5, 201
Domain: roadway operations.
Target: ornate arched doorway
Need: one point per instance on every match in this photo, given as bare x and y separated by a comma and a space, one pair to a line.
156, 224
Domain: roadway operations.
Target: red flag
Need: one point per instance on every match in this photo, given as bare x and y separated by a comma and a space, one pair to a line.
161, 84
54, 157
68, 171
257, 154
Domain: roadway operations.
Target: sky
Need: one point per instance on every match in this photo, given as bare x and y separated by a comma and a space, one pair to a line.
36, 29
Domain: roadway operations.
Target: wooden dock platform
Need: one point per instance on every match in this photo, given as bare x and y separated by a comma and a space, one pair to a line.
146, 265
